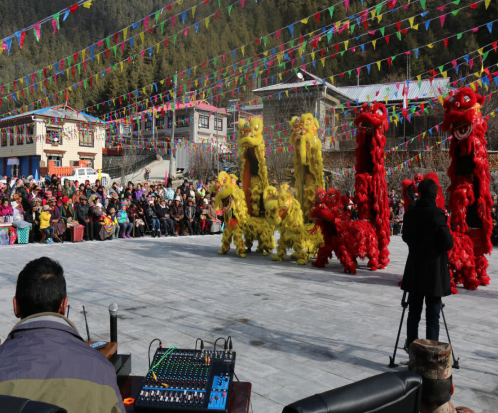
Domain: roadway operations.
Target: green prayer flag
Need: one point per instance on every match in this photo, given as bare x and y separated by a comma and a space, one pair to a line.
378, 7
162, 27
230, 9
459, 36
422, 3
157, 16
382, 30
455, 12
331, 11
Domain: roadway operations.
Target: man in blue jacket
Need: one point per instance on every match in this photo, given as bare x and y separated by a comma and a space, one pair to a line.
44, 358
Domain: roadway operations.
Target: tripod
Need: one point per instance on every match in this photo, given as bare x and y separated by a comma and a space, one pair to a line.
404, 304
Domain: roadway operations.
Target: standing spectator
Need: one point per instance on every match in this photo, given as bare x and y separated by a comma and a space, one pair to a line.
212, 216
124, 221
83, 214
44, 358
170, 194
164, 215
393, 199
177, 213
45, 224
400, 212
426, 272
68, 188
23, 193
190, 217
147, 174
152, 218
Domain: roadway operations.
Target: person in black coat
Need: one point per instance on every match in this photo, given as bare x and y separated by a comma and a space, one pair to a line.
426, 273
83, 215
163, 213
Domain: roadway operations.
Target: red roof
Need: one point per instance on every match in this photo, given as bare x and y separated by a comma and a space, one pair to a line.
198, 104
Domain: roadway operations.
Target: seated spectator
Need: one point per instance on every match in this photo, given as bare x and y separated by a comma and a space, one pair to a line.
56, 222
32, 216
152, 218
102, 227
68, 188
45, 224
163, 213
190, 217
18, 217
101, 194
433, 361
113, 202
44, 358
83, 214
114, 219
177, 214
124, 221
139, 193
68, 214
76, 197
6, 209
137, 217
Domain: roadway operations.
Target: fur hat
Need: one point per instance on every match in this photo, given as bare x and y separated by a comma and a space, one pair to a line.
83, 198
33, 203
178, 198
205, 201
431, 359
114, 195
46, 208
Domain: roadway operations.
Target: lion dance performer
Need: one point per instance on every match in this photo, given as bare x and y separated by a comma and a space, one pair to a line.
370, 180
254, 180
347, 238
308, 162
470, 198
231, 200
284, 212
410, 190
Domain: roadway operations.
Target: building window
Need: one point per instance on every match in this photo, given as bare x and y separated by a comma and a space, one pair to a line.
54, 136
148, 124
204, 121
218, 124
86, 136
30, 132
20, 139
4, 137
160, 122
56, 158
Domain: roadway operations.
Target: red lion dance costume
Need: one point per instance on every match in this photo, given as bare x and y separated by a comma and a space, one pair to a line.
470, 199
368, 237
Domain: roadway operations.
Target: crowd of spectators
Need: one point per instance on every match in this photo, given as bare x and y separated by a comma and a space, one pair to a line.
50, 209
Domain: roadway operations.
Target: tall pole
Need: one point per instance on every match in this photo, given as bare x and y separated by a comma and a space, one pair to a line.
172, 160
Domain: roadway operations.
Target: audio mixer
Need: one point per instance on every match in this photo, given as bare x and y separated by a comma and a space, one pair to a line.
182, 381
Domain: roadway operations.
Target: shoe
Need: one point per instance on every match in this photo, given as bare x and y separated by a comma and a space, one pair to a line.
123, 236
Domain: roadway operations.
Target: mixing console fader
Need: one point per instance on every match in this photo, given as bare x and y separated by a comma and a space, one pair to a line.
187, 381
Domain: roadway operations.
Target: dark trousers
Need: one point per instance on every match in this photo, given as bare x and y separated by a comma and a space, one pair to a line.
88, 230
168, 226
432, 310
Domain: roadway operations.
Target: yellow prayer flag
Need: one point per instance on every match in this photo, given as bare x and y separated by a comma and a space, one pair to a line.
87, 4
374, 43
411, 20
440, 98
125, 33
419, 78
378, 65
430, 45
121, 65
207, 22
415, 27
346, 43
445, 74
313, 56
379, 17
486, 3
193, 10
142, 36
83, 54
322, 60
243, 50
304, 21
287, 93
480, 50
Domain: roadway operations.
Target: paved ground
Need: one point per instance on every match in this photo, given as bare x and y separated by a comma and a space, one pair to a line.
297, 330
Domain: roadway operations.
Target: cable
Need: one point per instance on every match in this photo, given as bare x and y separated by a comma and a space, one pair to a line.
150, 345
219, 338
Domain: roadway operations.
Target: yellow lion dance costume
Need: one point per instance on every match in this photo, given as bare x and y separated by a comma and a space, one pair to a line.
308, 161
254, 181
231, 200
252, 154
284, 212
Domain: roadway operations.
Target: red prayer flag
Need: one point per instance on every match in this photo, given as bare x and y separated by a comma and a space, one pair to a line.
73, 8
387, 39
317, 17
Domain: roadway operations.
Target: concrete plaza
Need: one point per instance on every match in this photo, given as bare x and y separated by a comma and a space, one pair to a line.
297, 330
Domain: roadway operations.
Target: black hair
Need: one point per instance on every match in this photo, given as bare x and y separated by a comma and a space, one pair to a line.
41, 287
428, 189
436, 392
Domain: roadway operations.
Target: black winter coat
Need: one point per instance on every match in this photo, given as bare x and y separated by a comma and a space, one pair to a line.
82, 212
426, 232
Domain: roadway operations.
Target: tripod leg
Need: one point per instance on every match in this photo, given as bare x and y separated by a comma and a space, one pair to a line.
392, 359
456, 364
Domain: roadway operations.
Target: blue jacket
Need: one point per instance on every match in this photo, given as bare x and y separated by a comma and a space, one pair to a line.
45, 359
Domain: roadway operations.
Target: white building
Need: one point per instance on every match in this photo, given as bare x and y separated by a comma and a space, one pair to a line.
59, 134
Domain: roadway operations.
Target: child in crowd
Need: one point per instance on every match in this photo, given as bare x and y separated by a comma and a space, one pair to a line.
124, 223
45, 227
